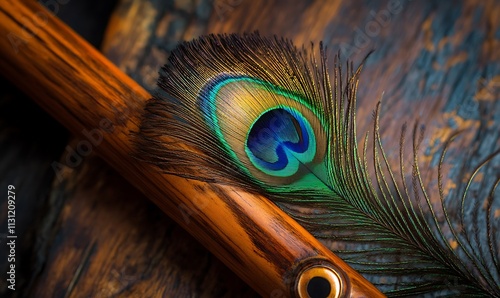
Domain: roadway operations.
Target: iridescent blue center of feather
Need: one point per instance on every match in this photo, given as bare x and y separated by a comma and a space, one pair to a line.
279, 141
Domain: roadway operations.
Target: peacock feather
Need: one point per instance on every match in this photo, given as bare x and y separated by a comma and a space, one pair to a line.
263, 115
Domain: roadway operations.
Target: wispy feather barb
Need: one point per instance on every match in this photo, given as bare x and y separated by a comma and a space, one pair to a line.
260, 114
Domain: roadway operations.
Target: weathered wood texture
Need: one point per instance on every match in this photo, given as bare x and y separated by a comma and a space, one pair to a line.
435, 60
111, 241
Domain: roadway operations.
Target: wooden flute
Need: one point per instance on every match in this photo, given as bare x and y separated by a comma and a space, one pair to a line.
80, 88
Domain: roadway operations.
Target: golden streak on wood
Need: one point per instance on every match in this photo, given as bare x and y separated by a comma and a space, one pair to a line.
78, 86
315, 19
488, 89
428, 33
141, 15
453, 243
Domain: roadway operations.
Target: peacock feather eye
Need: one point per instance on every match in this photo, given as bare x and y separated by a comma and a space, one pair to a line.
272, 133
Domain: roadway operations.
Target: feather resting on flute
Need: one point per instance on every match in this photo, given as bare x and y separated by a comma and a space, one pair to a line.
262, 115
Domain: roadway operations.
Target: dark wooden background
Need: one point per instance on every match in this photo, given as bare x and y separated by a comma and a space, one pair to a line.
84, 232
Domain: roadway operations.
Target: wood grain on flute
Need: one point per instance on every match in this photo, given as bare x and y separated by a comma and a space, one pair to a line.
85, 92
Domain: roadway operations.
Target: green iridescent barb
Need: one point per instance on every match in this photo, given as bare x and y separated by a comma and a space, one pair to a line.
263, 115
